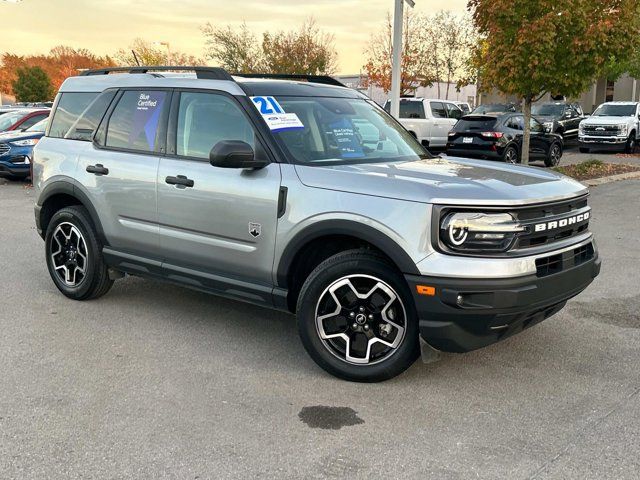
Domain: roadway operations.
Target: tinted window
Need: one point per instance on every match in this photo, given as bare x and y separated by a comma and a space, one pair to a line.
411, 110
536, 126
548, 110
480, 124
517, 123
453, 111
614, 110
31, 121
88, 121
70, 107
437, 109
133, 125
204, 119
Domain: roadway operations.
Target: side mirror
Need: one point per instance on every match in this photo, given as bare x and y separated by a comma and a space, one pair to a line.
234, 154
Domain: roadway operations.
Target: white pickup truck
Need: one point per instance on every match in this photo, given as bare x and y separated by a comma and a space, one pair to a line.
614, 125
430, 121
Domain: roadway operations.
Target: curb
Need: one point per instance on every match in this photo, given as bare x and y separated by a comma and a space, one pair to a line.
594, 182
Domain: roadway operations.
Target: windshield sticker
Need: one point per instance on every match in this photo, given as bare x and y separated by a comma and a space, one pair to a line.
275, 116
345, 136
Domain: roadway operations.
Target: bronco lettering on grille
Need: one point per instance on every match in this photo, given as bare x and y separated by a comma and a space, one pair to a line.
542, 227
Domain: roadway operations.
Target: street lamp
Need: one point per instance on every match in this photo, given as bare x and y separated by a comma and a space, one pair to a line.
165, 44
396, 67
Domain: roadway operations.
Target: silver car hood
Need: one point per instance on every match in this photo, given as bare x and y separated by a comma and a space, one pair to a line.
607, 120
452, 181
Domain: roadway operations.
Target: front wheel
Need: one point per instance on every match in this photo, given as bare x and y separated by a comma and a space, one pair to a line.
74, 255
554, 156
630, 146
357, 319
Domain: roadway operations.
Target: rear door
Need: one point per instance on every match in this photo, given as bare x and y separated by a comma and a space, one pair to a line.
219, 224
119, 172
441, 125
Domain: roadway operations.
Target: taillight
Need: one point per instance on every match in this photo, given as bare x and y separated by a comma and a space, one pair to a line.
492, 134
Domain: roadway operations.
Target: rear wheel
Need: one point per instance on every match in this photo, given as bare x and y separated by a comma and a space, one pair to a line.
356, 318
510, 155
554, 155
74, 255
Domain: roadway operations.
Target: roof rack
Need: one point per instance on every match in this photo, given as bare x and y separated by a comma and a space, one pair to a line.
205, 73
323, 79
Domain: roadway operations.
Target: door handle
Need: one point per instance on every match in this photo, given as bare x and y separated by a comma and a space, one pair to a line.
98, 169
180, 181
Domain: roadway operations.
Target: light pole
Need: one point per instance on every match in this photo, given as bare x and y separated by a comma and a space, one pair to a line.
396, 67
166, 44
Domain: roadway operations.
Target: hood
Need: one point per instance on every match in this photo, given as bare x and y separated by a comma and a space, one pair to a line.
13, 136
452, 181
607, 120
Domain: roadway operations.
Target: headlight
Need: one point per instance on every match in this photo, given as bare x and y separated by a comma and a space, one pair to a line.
25, 143
623, 130
479, 232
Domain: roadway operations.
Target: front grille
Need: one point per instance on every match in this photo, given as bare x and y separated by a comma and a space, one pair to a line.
557, 263
562, 217
601, 130
4, 148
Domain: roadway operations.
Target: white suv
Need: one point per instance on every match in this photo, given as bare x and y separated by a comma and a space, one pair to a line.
430, 121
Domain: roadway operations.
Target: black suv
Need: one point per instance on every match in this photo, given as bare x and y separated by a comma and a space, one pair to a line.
559, 117
499, 137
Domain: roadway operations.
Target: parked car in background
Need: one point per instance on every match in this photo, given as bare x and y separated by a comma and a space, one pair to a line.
499, 137
16, 150
428, 120
464, 106
614, 125
559, 117
496, 108
22, 119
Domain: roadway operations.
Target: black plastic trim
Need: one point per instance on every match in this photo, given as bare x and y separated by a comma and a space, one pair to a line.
282, 201
344, 227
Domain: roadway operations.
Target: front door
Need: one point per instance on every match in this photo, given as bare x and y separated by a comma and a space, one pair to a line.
217, 225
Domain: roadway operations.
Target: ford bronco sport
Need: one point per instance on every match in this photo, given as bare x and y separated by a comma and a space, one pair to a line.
307, 197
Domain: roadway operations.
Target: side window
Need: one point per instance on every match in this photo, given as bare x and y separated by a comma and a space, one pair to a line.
31, 121
411, 109
83, 128
453, 111
70, 107
204, 119
517, 123
437, 109
133, 125
536, 126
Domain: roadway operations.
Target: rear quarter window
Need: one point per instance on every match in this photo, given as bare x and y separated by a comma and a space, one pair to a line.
69, 108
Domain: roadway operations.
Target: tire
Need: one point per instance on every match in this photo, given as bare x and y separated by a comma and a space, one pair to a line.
74, 255
378, 349
554, 155
584, 150
510, 155
630, 146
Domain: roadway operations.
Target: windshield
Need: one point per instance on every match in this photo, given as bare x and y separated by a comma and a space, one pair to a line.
609, 110
344, 131
39, 127
8, 119
494, 108
548, 110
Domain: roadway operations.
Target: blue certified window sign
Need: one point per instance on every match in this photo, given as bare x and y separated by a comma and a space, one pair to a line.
274, 115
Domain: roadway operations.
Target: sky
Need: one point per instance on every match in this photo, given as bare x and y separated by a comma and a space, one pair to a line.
104, 26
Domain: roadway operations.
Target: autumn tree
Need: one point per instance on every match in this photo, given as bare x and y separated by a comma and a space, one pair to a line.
416, 67
32, 85
531, 47
150, 54
450, 39
307, 50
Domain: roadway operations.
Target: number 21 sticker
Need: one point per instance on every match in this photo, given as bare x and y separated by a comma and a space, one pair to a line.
267, 105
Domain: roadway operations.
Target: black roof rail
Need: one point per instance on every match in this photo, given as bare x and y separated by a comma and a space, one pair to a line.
205, 73
323, 79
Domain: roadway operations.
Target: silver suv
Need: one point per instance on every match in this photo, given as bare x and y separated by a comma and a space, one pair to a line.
302, 195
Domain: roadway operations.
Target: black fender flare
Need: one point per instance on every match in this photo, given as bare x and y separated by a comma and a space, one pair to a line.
344, 227
68, 187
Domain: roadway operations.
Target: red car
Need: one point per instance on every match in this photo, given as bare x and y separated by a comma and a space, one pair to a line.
20, 120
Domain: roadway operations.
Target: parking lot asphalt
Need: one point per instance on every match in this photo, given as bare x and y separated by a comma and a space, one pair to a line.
157, 381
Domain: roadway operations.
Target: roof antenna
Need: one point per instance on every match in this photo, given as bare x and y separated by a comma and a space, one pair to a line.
135, 57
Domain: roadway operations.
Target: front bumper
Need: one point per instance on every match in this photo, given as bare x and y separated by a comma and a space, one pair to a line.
14, 169
467, 314
602, 142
